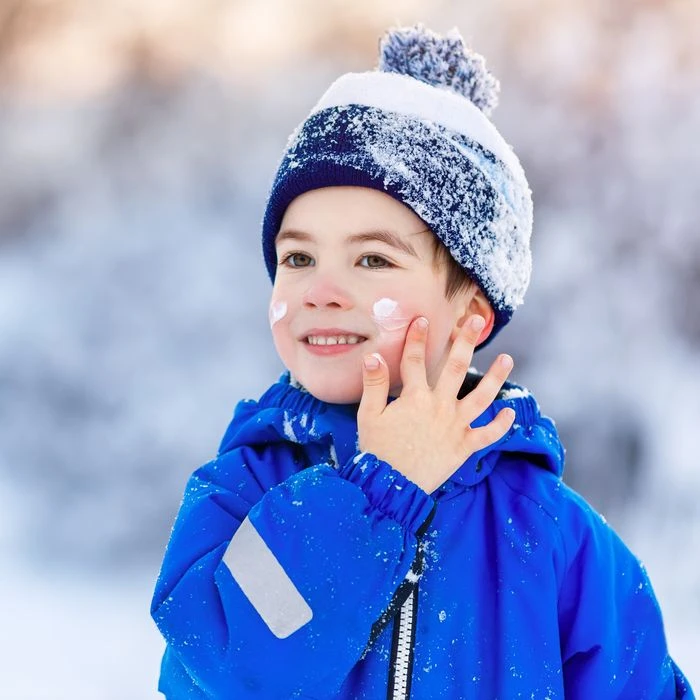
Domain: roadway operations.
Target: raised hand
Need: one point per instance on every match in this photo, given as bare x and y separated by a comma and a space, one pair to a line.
425, 433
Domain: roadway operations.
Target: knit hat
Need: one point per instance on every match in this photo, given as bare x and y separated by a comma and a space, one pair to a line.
417, 128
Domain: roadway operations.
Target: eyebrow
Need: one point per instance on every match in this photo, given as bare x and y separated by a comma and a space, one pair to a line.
389, 237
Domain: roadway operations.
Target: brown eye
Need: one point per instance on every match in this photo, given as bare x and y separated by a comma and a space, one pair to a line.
374, 261
297, 260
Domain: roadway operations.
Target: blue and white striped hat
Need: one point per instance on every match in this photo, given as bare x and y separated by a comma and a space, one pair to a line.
418, 129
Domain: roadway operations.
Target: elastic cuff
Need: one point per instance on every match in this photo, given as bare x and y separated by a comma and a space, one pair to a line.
389, 491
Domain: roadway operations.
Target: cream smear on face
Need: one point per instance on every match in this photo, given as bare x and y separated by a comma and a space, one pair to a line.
277, 311
386, 313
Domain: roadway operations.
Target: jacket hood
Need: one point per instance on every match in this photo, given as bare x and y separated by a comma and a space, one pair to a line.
328, 432
532, 434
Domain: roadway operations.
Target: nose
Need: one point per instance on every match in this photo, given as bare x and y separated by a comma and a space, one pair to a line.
324, 293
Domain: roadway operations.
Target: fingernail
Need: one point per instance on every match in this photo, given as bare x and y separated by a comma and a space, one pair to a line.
477, 323
506, 361
371, 362
422, 322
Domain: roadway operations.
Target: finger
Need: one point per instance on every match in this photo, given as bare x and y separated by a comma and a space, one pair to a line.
413, 373
486, 391
375, 387
459, 358
479, 438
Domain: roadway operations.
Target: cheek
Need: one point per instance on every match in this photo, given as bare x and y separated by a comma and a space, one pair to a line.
392, 316
391, 319
277, 311
279, 325
391, 347
389, 316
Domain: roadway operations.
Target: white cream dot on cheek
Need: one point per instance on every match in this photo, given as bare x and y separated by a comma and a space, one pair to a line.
387, 314
278, 310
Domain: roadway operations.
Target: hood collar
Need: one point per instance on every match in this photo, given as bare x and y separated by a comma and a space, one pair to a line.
531, 433
286, 412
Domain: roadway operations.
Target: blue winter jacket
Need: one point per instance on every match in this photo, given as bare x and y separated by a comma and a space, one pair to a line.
299, 567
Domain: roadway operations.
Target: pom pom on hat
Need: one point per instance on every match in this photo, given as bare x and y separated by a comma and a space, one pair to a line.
440, 61
418, 130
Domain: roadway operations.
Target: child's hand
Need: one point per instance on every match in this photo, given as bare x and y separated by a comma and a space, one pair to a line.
425, 432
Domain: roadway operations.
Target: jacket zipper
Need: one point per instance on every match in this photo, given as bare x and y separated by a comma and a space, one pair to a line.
401, 666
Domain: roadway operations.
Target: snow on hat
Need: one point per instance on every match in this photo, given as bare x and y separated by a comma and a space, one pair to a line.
418, 129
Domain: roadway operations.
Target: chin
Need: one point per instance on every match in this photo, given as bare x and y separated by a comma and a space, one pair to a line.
338, 393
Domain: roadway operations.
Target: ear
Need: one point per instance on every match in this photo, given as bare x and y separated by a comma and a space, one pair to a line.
475, 303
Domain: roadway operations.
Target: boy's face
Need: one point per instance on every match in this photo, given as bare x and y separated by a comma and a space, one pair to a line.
355, 266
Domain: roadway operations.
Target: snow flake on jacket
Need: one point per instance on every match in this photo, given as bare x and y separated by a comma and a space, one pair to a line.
291, 543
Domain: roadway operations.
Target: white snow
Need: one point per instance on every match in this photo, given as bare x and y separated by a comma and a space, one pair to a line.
288, 428
514, 393
133, 309
404, 95
70, 637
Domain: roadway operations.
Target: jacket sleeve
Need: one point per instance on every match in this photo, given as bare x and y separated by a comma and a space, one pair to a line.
612, 636
273, 590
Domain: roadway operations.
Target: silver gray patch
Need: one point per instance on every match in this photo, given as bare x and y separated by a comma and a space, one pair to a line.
265, 583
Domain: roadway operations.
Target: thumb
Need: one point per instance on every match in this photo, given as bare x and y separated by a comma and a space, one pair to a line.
375, 386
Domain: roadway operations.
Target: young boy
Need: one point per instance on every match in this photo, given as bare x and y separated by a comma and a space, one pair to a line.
384, 522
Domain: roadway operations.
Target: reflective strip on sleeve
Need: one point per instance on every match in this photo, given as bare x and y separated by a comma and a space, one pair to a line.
265, 583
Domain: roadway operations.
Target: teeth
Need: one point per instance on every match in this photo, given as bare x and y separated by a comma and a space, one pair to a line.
333, 339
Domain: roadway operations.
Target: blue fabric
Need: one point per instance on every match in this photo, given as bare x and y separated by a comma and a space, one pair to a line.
465, 195
527, 592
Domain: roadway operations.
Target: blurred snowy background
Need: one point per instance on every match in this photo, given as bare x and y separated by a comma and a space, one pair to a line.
137, 140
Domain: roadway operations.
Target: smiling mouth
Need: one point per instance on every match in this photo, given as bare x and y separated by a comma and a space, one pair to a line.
335, 339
